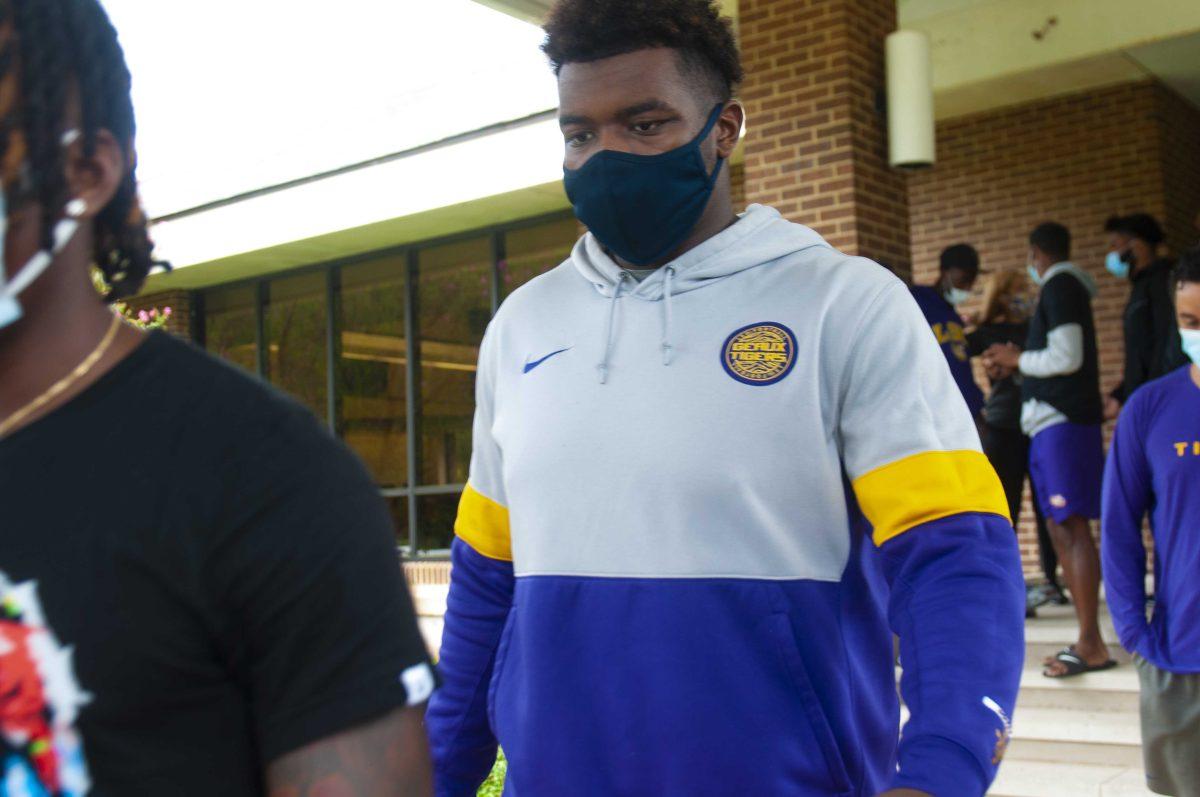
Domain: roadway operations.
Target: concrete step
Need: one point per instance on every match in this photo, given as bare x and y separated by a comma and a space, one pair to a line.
1055, 779
1055, 628
1101, 738
1113, 690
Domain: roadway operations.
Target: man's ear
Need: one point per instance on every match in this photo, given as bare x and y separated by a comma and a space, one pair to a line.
729, 128
95, 178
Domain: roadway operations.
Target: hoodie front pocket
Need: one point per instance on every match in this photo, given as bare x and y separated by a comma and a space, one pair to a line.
498, 666
785, 642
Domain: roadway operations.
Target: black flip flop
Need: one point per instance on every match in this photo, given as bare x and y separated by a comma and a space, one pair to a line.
1076, 665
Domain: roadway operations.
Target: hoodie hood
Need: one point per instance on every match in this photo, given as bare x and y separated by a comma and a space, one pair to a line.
759, 236
1076, 272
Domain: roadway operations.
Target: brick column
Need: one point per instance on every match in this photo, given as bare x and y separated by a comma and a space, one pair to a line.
180, 302
816, 140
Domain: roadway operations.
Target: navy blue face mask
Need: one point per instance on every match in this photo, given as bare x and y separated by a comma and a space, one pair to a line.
642, 207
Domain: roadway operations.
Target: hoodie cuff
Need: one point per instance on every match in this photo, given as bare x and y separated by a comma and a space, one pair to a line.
940, 767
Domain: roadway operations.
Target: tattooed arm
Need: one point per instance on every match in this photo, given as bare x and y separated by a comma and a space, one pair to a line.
387, 757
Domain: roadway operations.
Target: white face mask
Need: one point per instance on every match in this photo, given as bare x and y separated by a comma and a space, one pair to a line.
957, 296
10, 308
1191, 343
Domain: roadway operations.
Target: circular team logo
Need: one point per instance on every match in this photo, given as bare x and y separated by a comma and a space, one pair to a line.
759, 354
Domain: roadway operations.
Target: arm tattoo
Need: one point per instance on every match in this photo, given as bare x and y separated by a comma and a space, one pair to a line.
387, 757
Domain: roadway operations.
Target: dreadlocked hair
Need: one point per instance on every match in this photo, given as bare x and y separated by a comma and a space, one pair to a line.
51, 52
589, 30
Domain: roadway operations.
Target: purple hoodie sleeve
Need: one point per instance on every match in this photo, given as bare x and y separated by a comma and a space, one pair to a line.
1126, 499
957, 604
460, 734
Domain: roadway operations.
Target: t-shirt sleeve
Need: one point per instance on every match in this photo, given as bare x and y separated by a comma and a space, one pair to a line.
318, 624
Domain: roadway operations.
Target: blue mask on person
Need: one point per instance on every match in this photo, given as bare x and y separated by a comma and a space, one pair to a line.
642, 207
1191, 343
1034, 276
1116, 265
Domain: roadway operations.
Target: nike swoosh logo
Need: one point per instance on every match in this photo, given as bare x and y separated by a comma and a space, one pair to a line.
529, 366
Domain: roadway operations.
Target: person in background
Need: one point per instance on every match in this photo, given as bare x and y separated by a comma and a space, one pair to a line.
1004, 318
199, 590
958, 269
1154, 469
1062, 414
1151, 338
700, 505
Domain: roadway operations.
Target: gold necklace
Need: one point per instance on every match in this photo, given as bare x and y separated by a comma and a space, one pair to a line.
61, 385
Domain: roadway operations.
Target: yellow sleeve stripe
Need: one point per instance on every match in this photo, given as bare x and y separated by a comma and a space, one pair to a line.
483, 524
927, 487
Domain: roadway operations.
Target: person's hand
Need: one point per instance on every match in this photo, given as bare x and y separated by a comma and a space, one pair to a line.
1005, 356
1112, 408
905, 793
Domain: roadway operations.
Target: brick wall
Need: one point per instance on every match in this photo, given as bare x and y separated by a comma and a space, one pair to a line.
815, 137
1180, 144
737, 180
1075, 159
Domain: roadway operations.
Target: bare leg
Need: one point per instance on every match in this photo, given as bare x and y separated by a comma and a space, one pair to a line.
1081, 565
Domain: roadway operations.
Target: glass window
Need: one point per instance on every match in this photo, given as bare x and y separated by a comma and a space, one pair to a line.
371, 368
534, 250
230, 325
453, 309
435, 522
295, 335
399, 509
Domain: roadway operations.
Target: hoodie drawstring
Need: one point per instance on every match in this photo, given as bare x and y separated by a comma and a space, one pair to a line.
608, 329
668, 349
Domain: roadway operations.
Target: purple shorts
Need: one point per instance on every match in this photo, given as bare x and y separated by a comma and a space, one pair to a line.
1066, 466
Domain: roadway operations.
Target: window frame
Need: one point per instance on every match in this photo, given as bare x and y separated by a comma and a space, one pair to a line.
332, 270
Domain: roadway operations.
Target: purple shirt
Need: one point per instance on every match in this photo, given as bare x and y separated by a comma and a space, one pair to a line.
947, 327
1154, 467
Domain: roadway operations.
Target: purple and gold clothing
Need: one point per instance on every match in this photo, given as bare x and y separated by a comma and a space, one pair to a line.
947, 327
1154, 467
1066, 466
702, 599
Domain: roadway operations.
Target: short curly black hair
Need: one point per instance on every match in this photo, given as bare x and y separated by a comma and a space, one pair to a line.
1188, 267
589, 30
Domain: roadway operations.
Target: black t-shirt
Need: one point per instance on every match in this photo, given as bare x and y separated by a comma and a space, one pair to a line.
196, 579
1064, 299
1002, 408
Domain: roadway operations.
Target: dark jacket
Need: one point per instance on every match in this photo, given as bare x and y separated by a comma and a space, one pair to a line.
1152, 346
1002, 408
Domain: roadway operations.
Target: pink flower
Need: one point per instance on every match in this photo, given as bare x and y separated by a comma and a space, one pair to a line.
166, 312
154, 313
143, 316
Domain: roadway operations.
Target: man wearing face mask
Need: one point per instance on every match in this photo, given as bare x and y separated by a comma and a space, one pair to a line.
1151, 339
1154, 468
199, 593
958, 269
1061, 413
701, 503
